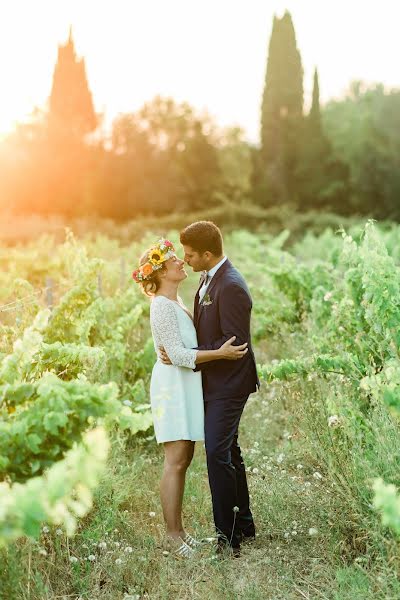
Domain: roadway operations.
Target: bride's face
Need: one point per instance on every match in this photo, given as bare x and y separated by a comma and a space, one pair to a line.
175, 269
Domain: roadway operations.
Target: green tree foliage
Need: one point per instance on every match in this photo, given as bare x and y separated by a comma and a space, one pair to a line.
163, 158
281, 116
364, 131
322, 178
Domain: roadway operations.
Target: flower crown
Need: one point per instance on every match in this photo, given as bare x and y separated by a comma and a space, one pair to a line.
158, 254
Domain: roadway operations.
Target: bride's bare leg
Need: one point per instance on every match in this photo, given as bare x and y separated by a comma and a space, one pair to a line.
178, 456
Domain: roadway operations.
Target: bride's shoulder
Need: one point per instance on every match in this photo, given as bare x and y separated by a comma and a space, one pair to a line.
157, 302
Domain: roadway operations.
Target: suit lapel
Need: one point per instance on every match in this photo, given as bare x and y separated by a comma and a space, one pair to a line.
196, 298
212, 284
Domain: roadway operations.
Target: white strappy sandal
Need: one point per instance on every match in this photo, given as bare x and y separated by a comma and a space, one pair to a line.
191, 541
178, 548
184, 550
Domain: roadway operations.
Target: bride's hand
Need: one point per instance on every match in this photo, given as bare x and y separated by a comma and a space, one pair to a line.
230, 352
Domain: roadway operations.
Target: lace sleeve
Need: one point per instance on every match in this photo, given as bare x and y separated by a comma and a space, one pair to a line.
165, 323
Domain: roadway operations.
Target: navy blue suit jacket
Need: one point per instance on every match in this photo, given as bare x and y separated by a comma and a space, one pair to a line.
227, 315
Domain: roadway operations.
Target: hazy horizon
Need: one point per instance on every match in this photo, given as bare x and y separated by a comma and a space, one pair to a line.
212, 55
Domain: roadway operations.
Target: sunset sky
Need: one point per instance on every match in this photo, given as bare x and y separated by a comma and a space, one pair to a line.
211, 53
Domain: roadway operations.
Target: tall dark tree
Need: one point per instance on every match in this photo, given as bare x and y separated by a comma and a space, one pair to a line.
314, 118
70, 105
281, 115
67, 172
322, 179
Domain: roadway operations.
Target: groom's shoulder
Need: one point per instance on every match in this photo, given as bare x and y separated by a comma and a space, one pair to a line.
233, 276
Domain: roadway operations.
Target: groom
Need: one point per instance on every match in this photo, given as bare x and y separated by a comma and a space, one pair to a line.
222, 309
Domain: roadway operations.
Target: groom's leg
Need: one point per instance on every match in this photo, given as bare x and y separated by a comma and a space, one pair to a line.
221, 423
245, 521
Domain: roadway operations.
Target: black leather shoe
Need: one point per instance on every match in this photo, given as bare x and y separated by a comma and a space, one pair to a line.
248, 536
248, 539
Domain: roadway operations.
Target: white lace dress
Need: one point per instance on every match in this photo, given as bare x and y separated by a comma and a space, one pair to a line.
176, 391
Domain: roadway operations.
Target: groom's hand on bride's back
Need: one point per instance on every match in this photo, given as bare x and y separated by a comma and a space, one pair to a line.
164, 356
230, 352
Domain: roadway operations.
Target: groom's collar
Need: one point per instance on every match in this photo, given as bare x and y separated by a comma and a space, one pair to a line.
212, 271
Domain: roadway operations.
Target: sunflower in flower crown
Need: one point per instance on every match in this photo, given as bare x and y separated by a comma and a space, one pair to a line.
158, 254
156, 257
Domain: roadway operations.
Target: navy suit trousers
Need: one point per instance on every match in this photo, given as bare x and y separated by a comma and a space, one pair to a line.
226, 470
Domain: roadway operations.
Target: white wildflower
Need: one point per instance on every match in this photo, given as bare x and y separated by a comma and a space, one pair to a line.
127, 403
317, 475
43, 552
327, 296
129, 549
299, 467
294, 532
280, 458
117, 544
59, 532
286, 534
73, 559
91, 557
333, 421
45, 529
102, 545
152, 513
118, 561
255, 470
312, 531
165, 553
235, 509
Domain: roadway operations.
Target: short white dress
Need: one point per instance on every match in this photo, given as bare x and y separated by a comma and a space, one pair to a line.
176, 392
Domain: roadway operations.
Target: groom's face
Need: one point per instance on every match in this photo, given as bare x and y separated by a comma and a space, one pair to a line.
198, 262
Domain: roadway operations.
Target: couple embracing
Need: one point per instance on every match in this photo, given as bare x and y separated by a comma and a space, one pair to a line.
203, 376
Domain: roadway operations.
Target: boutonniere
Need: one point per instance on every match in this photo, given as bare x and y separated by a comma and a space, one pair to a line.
206, 300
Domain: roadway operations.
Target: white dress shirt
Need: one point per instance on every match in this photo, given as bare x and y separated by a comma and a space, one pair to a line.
210, 274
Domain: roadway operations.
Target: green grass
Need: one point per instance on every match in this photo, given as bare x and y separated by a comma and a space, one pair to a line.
285, 562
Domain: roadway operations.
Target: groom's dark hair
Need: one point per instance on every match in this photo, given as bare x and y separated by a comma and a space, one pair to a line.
203, 236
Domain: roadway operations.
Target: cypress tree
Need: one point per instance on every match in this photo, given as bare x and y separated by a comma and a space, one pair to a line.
70, 161
315, 113
71, 108
281, 115
322, 180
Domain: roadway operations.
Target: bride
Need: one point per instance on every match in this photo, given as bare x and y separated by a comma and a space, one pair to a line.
175, 390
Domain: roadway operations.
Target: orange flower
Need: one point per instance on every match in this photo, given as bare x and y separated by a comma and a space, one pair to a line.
147, 269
